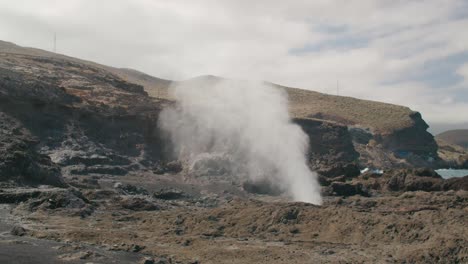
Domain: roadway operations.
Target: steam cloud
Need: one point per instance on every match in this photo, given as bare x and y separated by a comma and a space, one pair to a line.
246, 124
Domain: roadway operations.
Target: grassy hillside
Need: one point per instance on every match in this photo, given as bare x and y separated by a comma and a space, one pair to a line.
457, 137
380, 117
157, 87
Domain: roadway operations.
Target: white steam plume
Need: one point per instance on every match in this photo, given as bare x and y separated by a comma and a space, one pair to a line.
249, 123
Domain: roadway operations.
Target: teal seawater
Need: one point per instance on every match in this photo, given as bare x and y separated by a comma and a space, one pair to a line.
450, 173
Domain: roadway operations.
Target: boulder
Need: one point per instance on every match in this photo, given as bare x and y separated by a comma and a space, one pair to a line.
64, 201
347, 189
131, 189
19, 160
169, 194
407, 180
457, 183
169, 167
18, 231
137, 204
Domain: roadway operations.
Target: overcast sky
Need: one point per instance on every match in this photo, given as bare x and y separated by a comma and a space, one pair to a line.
413, 53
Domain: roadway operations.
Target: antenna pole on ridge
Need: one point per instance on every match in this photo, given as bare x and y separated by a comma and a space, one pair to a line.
55, 42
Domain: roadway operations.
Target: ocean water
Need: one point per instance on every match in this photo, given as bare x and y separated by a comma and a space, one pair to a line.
450, 173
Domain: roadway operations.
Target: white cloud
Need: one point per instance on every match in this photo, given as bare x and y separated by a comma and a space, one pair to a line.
463, 71
255, 39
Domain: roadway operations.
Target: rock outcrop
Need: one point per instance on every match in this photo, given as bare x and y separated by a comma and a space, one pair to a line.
385, 135
452, 156
406, 180
19, 160
331, 150
73, 116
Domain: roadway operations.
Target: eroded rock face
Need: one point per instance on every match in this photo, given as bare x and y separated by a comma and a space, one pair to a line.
403, 180
406, 147
331, 149
75, 117
19, 161
452, 156
414, 139
391, 182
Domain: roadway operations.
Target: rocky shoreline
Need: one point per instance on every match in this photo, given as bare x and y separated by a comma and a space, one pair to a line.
402, 216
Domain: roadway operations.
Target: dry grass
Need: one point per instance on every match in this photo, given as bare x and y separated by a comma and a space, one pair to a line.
379, 116
457, 137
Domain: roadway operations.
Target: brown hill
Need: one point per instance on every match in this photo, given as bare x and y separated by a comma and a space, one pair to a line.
379, 116
385, 135
130, 75
456, 137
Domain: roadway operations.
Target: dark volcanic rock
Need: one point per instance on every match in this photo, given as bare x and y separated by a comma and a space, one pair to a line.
131, 189
17, 196
169, 194
137, 204
349, 170
460, 183
76, 114
64, 201
19, 160
169, 167
18, 231
427, 172
347, 189
331, 149
414, 139
402, 180
360, 135
413, 180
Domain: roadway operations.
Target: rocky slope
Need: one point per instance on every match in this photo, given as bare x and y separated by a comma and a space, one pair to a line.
453, 156
85, 176
453, 148
82, 118
384, 135
457, 137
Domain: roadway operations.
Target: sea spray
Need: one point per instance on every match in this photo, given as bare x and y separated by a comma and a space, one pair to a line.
246, 124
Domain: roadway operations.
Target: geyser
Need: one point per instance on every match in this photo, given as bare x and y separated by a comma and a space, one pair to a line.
245, 124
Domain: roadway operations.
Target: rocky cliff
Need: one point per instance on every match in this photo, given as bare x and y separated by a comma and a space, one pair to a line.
74, 116
90, 118
385, 135
331, 150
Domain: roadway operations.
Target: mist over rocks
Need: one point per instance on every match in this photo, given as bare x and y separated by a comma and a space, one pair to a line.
244, 125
